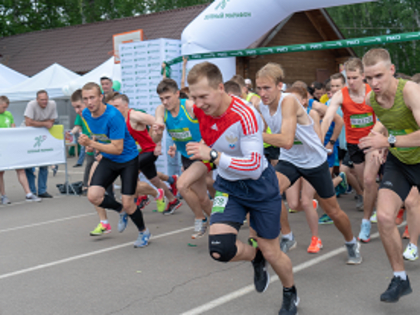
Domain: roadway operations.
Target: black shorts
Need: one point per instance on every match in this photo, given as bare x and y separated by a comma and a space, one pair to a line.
107, 172
186, 163
341, 154
272, 153
319, 177
400, 177
346, 160
147, 164
357, 156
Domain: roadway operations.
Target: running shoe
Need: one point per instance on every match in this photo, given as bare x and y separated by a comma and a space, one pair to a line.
143, 239
173, 185
374, 218
316, 245
290, 302
353, 251
342, 187
172, 206
293, 211
406, 234
261, 275
359, 202
200, 228
33, 198
325, 219
396, 289
5, 200
160, 200
364, 235
142, 202
411, 252
400, 217
101, 229
287, 245
253, 242
122, 222
349, 190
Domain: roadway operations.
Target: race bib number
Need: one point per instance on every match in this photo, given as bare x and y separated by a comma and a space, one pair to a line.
219, 202
361, 120
401, 132
183, 134
297, 141
101, 138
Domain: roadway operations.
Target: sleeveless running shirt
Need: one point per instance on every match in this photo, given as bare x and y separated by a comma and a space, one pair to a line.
307, 150
143, 139
250, 95
359, 118
399, 120
182, 128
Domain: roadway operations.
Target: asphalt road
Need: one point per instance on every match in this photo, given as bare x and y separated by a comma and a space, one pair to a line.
50, 265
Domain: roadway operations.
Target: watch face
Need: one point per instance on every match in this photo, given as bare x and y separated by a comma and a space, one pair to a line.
213, 154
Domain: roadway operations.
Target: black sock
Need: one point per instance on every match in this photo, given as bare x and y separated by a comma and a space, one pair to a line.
291, 289
110, 191
137, 218
110, 203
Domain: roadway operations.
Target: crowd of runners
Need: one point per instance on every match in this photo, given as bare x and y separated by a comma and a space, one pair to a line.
253, 156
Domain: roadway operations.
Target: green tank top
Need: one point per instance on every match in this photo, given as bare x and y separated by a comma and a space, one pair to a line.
250, 95
399, 120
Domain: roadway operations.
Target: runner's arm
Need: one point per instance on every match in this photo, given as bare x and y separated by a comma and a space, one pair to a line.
316, 118
335, 103
116, 147
189, 105
339, 123
184, 70
159, 124
141, 118
286, 137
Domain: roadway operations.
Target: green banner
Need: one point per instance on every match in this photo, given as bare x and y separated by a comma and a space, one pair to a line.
337, 44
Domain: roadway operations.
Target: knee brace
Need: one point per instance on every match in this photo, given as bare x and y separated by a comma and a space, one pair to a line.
224, 245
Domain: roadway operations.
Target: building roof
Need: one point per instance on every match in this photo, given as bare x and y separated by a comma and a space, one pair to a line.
83, 47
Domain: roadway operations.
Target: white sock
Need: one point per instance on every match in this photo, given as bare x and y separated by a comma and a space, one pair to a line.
400, 274
104, 221
288, 236
365, 220
353, 241
29, 195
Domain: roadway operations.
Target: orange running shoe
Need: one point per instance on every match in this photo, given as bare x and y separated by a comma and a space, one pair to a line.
316, 245
406, 235
400, 216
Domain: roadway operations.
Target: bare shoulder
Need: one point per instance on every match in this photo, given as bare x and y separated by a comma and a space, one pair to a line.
189, 105
411, 94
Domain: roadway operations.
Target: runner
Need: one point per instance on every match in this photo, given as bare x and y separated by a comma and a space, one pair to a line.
232, 134
359, 119
137, 123
178, 117
302, 153
395, 102
119, 158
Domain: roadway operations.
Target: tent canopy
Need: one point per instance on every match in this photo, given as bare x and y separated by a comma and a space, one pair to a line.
51, 79
9, 77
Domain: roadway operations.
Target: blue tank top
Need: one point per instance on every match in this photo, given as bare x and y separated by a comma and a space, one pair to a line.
182, 128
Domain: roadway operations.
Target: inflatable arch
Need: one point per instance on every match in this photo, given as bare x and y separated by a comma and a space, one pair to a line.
236, 24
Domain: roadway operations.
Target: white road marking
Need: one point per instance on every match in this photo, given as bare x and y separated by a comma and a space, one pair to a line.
101, 251
250, 288
46, 222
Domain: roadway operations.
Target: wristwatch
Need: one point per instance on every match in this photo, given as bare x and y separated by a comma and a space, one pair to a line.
332, 141
391, 140
213, 155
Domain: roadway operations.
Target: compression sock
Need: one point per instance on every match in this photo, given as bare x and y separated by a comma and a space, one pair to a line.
110, 203
137, 218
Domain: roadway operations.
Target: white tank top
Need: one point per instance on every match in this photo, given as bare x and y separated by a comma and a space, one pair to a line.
307, 151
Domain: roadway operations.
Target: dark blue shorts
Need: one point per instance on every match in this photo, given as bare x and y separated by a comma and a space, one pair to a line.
261, 198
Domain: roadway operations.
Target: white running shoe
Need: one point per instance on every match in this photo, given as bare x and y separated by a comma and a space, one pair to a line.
411, 252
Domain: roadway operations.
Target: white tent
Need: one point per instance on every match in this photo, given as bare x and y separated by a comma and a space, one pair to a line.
9, 77
107, 69
50, 79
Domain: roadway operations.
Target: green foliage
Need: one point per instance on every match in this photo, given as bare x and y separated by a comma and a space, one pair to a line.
20, 16
382, 18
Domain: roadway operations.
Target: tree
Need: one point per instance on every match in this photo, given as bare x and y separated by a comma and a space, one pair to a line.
383, 18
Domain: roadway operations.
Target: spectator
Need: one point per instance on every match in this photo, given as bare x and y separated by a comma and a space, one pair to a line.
108, 91
416, 78
248, 84
40, 113
319, 90
7, 121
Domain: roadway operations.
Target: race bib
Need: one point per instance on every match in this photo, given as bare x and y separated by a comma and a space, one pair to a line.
219, 202
361, 120
297, 141
183, 134
401, 132
101, 138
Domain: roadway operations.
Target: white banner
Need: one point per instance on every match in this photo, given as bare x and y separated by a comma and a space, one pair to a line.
29, 147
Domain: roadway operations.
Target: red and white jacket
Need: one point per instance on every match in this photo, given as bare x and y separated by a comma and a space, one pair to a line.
237, 134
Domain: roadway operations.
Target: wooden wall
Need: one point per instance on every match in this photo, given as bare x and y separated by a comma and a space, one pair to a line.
298, 66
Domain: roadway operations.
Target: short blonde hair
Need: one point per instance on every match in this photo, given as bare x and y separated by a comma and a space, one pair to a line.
300, 83
271, 70
205, 70
375, 55
92, 86
353, 64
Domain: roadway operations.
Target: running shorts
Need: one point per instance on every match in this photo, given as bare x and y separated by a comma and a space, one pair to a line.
147, 164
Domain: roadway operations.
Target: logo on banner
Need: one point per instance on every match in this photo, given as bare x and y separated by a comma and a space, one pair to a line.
37, 145
232, 15
39, 140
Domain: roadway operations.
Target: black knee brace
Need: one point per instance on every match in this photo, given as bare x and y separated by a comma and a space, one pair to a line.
224, 245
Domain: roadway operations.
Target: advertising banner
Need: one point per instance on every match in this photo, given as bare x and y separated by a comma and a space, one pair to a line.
29, 147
